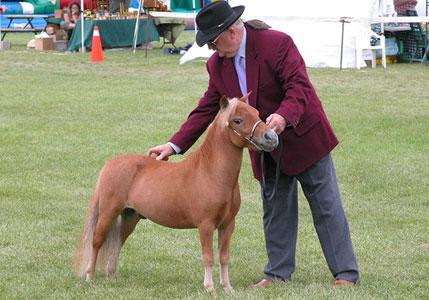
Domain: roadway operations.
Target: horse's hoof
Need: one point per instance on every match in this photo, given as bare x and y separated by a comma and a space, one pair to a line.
228, 289
209, 288
88, 278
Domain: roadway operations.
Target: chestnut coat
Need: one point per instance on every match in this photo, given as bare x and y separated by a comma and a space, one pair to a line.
277, 77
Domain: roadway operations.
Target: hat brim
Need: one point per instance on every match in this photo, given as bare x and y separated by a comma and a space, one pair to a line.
202, 38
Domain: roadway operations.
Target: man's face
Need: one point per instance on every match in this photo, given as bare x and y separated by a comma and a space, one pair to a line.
227, 43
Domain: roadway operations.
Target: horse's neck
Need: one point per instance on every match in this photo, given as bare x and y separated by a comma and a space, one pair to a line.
220, 154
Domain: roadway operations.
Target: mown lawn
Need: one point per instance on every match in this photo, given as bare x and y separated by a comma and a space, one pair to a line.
61, 117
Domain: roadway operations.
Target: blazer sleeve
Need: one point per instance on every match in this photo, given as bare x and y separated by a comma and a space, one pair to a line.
199, 118
291, 69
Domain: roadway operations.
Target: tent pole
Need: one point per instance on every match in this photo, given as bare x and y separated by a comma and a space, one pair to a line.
342, 41
147, 32
81, 27
195, 10
1, 40
342, 20
136, 29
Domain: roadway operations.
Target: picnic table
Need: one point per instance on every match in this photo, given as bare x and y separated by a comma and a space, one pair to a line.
28, 26
169, 29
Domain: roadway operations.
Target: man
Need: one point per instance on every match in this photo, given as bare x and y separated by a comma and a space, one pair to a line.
401, 6
249, 57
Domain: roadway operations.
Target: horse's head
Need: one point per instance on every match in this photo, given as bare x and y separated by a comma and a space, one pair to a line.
246, 128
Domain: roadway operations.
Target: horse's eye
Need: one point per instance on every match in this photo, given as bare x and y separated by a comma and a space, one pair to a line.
237, 121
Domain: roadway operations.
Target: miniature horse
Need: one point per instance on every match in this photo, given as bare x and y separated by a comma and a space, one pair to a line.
200, 191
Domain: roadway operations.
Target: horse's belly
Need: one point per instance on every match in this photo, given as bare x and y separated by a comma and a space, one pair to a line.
165, 211
171, 222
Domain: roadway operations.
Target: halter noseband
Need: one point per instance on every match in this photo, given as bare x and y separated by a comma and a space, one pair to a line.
249, 139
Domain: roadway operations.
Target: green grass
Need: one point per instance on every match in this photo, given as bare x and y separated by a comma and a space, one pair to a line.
61, 117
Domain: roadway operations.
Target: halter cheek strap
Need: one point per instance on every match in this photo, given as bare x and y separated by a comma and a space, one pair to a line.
252, 133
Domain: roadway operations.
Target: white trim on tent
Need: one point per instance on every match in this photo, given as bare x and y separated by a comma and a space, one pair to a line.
81, 26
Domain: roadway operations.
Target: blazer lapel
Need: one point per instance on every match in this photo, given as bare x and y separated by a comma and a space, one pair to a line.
252, 69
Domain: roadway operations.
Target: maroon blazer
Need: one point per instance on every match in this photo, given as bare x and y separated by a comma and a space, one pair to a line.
276, 74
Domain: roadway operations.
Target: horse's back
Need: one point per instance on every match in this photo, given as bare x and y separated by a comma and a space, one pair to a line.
127, 164
118, 173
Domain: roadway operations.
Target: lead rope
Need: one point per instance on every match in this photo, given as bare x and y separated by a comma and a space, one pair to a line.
264, 187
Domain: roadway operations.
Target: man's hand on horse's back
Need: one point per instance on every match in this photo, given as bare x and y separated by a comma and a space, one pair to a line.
161, 152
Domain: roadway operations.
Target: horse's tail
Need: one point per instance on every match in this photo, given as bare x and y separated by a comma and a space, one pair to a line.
84, 250
109, 252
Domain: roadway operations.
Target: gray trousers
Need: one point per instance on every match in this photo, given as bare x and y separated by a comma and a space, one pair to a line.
320, 187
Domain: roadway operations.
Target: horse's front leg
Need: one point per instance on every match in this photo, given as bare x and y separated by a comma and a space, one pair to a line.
206, 239
223, 245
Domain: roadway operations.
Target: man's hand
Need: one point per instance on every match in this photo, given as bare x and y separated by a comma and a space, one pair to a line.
162, 152
276, 122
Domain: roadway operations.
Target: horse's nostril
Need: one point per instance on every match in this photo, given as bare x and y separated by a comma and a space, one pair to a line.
267, 135
270, 135
271, 138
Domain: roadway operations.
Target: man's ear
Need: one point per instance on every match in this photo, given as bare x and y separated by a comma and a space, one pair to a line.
223, 102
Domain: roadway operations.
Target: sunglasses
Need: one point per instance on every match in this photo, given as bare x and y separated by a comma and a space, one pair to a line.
212, 44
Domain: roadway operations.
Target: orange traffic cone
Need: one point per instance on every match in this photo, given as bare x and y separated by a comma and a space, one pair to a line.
97, 50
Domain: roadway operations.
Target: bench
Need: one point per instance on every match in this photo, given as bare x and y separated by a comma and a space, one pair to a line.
22, 29
4, 31
28, 27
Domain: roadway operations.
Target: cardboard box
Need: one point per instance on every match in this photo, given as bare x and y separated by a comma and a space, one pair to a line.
60, 46
44, 44
60, 35
59, 14
150, 4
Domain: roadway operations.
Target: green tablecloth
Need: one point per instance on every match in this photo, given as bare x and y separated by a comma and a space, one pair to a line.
114, 33
183, 5
55, 21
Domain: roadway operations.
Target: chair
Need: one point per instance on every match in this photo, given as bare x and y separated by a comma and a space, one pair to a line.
363, 42
420, 47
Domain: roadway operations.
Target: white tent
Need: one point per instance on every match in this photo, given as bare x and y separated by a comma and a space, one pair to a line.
314, 25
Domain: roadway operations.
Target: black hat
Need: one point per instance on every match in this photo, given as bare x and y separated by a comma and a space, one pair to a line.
214, 18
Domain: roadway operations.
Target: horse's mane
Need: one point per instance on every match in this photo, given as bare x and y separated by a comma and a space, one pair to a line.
219, 122
224, 113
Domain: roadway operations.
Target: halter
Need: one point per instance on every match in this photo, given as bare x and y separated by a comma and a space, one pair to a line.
249, 139
266, 196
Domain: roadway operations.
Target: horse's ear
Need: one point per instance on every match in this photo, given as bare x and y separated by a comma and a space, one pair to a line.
245, 97
223, 102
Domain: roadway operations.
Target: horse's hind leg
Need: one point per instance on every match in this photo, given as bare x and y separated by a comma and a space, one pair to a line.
117, 236
206, 239
130, 218
223, 245
106, 218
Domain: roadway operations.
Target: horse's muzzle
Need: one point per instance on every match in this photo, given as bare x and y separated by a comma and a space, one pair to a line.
269, 141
